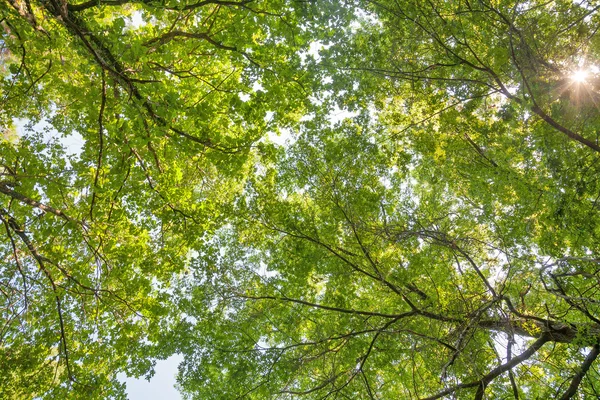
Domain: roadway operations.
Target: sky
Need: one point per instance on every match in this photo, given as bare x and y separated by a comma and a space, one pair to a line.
161, 386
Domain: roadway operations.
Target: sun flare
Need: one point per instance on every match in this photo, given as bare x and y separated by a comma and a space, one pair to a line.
579, 76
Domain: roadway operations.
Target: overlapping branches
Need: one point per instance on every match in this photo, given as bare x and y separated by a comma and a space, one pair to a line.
492, 311
465, 65
60, 280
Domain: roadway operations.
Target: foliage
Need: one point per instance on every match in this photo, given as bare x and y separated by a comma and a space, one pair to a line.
442, 241
167, 102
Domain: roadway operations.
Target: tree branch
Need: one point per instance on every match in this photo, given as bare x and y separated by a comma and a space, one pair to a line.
587, 363
330, 308
24, 199
509, 365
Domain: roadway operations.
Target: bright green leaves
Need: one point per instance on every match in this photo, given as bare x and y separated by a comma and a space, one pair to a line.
316, 270
165, 102
408, 242
394, 253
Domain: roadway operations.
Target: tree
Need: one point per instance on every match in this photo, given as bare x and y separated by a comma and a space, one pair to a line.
362, 281
168, 101
442, 242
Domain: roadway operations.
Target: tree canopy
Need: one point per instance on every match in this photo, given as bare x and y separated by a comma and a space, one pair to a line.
362, 199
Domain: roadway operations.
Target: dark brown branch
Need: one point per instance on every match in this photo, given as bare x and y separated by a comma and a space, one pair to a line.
509, 365
24, 199
41, 260
167, 37
511, 375
100, 142
458, 58
96, 3
108, 62
23, 8
552, 122
478, 149
587, 363
176, 210
17, 260
372, 344
487, 284
316, 388
560, 292
282, 349
357, 268
330, 308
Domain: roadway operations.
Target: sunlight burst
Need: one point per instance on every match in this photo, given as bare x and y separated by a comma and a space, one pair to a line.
579, 76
